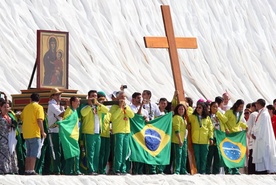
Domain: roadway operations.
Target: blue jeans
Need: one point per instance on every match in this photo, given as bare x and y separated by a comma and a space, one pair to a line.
32, 146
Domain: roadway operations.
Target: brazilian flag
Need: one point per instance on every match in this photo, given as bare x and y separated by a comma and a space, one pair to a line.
232, 148
69, 133
150, 142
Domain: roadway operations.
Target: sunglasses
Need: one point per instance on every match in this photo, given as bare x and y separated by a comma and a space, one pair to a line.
246, 113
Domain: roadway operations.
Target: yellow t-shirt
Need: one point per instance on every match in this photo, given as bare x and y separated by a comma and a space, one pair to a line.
29, 116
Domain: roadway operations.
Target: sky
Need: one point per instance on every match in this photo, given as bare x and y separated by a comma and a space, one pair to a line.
236, 46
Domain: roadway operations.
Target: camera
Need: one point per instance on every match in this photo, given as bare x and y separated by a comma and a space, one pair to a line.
124, 86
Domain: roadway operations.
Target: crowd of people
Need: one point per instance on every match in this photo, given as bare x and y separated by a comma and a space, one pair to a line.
31, 141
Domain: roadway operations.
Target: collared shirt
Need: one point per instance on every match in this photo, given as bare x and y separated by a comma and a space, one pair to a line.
53, 111
135, 110
153, 110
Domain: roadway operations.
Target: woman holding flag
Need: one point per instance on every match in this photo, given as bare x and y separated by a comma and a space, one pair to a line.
202, 135
235, 123
218, 120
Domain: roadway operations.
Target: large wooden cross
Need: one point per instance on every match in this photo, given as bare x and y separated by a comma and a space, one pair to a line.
172, 43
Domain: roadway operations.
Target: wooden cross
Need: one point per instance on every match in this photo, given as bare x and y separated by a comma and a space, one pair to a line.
172, 43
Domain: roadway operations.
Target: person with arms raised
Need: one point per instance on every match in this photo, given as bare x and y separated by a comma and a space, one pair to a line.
120, 115
92, 126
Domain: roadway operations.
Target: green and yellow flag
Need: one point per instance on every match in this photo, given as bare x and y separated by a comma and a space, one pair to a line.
69, 133
232, 148
150, 142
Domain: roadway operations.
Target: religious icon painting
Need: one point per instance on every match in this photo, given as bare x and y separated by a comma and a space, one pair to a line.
52, 59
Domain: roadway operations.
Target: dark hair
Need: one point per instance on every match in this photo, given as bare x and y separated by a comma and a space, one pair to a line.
248, 106
91, 91
10, 103
35, 97
3, 103
73, 98
261, 102
212, 103
219, 100
270, 107
236, 105
190, 101
176, 109
163, 99
148, 92
134, 95
274, 101
205, 113
169, 107
253, 104
2, 99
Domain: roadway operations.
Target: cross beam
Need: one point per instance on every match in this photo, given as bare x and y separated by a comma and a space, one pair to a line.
172, 43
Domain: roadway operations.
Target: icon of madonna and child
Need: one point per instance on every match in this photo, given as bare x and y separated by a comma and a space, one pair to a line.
53, 64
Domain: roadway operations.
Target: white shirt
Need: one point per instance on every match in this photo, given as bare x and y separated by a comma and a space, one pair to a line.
135, 110
52, 113
96, 123
153, 110
264, 147
251, 123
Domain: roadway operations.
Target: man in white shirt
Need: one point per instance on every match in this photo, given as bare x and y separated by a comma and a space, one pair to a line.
137, 105
153, 112
226, 105
251, 123
152, 108
264, 147
55, 113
